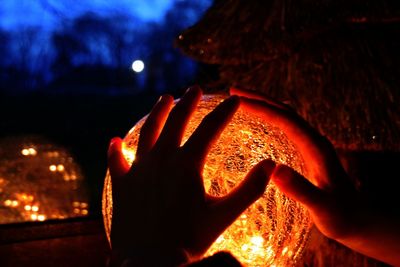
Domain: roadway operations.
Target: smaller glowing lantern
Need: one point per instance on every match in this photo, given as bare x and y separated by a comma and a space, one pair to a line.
39, 181
271, 232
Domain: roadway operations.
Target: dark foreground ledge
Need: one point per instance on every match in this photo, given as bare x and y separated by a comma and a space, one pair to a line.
75, 242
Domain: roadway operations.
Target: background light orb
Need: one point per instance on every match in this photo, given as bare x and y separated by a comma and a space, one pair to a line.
39, 180
271, 232
138, 65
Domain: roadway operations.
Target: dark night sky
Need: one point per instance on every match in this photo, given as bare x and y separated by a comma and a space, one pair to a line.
58, 46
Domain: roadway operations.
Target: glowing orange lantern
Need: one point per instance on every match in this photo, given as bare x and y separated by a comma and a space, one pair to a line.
271, 232
39, 181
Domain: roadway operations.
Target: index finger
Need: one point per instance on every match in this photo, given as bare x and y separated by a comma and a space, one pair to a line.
210, 128
174, 128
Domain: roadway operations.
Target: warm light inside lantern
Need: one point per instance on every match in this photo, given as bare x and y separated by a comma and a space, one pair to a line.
271, 232
39, 181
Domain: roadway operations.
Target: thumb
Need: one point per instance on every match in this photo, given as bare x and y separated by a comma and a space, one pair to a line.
228, 208
116, 161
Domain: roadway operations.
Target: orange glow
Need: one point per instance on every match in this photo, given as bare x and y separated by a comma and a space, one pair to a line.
29, 151
32, 185
60, 167
7, 202
274, 225
32, 151
52, 168
128, 152
84, 212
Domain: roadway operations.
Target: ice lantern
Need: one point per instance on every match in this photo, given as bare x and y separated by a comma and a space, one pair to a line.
271, 232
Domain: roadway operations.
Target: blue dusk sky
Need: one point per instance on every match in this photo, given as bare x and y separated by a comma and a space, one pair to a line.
49, 13
46, 43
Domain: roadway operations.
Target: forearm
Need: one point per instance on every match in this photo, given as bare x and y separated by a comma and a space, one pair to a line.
378, 238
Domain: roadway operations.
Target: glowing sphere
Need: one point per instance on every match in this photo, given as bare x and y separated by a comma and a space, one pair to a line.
138, 66
39, 181
271, 232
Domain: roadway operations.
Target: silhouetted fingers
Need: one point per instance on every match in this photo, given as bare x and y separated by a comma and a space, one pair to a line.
298, 188
210, 128
117, 164
172, 133
153, 125
323, 166
257, 96
227, 209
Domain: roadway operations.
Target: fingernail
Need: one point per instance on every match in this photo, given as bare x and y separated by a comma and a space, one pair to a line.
165, 96
188, 90
193, 89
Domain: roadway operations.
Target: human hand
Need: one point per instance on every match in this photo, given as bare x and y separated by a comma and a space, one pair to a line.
160, 207
336, 207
